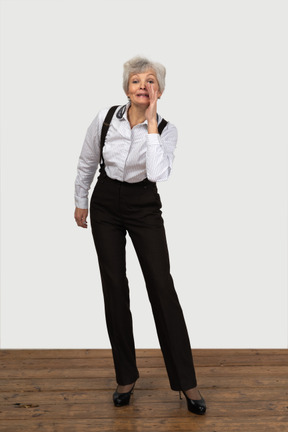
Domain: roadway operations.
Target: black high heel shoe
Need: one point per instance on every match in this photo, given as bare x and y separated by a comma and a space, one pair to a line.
122, 399
195, 406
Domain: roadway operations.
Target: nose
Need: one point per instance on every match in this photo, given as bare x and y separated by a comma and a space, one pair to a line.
143, 86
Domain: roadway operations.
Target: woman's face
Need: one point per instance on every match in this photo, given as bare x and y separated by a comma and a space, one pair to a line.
137, 88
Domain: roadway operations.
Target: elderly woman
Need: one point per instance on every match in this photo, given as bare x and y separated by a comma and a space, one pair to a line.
136, 149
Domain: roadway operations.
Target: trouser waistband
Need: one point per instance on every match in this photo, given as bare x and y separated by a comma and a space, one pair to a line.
104, 176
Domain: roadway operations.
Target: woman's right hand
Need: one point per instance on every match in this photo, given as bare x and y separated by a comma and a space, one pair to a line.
80, 216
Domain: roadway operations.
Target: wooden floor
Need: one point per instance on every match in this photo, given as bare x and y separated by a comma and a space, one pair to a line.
71, 390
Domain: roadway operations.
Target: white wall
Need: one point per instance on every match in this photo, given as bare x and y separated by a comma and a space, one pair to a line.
225, 205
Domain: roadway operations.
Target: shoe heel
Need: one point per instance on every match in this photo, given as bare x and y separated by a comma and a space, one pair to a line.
195, 406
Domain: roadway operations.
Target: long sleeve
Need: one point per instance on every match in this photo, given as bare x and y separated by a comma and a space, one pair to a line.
88, 163
160, 153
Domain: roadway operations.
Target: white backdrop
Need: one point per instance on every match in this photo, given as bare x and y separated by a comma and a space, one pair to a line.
225, 204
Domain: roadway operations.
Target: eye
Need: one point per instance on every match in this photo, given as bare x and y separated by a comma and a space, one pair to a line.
134, 81
151, 81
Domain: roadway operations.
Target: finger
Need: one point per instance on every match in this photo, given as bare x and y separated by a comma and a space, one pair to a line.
154, 94
82, 224
81, 221
150, 90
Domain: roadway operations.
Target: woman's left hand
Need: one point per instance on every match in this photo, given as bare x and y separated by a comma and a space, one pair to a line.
151, 111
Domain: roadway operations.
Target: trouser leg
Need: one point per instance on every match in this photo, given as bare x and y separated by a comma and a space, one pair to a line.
110, 239
151, 248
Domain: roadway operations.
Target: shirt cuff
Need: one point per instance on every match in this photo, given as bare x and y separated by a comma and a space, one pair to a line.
81, 202
153, 139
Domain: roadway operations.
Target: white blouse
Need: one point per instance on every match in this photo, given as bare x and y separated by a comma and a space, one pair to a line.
130, 155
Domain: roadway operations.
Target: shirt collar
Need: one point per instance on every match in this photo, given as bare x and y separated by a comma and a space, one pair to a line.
122, 113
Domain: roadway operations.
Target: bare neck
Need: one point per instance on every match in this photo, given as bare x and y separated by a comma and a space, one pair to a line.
136, 115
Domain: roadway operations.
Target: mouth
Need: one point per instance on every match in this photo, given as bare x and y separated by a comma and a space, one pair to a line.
143, 95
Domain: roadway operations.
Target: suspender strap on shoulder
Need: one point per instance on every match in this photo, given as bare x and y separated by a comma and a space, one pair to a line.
105, 128
162, 126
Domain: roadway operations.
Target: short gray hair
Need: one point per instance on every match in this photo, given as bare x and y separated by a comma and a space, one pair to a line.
142, 64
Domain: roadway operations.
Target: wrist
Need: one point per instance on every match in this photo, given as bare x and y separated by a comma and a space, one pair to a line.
152, 126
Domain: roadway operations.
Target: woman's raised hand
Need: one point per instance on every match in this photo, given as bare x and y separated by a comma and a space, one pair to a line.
80, 216
151, 111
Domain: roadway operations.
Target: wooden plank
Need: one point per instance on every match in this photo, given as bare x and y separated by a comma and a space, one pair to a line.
99, 383
152, 362
254, 354
180, 424
74, 363
137, 410
60, 353
50, 372
143, 395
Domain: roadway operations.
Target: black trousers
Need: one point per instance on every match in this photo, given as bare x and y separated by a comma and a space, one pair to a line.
115, 209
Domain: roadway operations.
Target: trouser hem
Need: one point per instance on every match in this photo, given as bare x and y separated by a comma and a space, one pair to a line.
122, 383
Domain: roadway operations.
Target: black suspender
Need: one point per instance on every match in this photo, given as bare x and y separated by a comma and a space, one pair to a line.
105, 128
106, 125
162, 125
